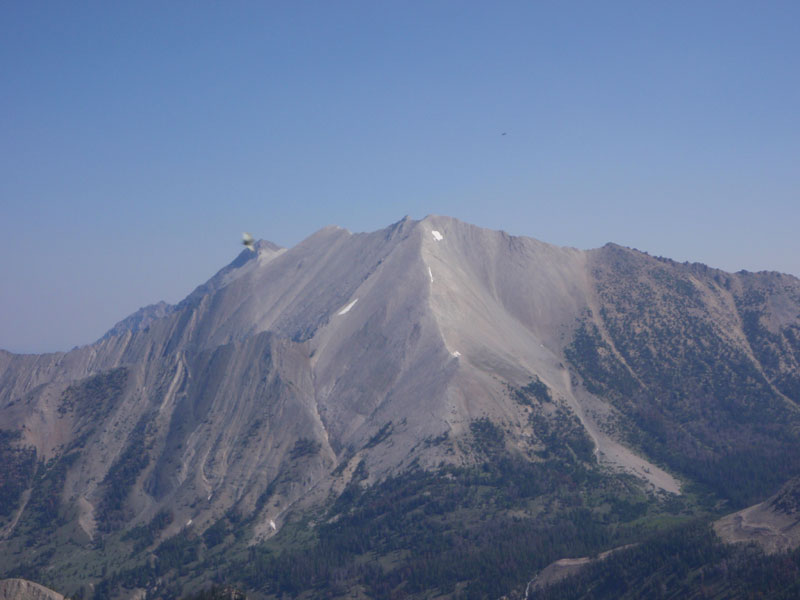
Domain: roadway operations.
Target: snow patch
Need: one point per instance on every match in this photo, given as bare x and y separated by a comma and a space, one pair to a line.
347, 308
189, 522
272, 525
431, 274
456, 353
437, 236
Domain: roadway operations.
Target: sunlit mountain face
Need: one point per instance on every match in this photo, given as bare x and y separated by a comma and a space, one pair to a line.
429, 409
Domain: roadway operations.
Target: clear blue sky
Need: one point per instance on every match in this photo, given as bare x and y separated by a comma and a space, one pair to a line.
138, 139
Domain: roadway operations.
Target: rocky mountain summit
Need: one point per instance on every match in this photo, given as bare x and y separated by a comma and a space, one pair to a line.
296, 379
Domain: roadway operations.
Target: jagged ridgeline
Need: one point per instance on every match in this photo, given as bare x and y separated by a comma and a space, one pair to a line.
429, 409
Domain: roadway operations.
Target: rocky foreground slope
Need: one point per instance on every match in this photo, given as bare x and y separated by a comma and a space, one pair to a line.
293, 375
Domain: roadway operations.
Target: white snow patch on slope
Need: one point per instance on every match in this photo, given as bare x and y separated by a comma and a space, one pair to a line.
456, 353
430, 273
437, 236
348, 307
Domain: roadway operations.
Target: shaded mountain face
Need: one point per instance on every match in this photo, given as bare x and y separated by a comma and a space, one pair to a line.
297, 377
703, 365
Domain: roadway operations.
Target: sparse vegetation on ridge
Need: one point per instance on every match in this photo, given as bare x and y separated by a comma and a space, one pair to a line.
304, 447
121, 477
693, 400
92, 398
688, 561
18, 466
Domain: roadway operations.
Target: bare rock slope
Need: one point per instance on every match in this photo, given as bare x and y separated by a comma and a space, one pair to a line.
774, 524
418, 328
20, 589
269, 386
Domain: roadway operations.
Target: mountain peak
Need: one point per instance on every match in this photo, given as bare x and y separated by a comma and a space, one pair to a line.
293, 377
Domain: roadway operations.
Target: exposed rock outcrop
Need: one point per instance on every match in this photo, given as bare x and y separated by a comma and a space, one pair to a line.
21, 589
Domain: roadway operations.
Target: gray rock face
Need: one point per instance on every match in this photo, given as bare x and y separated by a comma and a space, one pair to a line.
774, 524
20, 589
141, 319
267, 386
